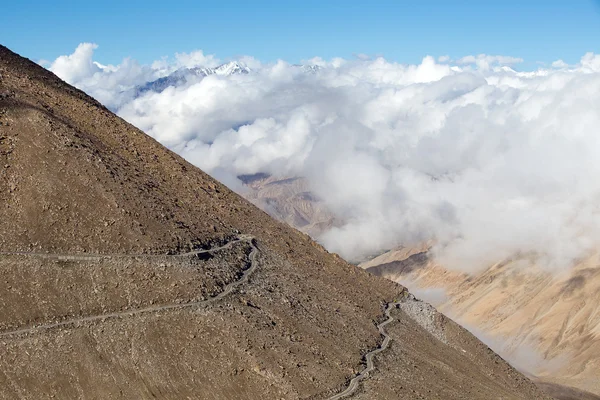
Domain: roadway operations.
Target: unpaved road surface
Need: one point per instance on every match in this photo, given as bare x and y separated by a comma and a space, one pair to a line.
154, 308
354, 382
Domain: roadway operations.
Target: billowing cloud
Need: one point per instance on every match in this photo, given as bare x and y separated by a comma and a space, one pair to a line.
559, 64
487, 161
486, 61
77, 66
196, 58
112, 85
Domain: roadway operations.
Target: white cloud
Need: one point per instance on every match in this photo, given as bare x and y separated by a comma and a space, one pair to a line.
485, 61
362, 56
590, 62
559, 64
488, 161
111, 84
77, 66
196, 59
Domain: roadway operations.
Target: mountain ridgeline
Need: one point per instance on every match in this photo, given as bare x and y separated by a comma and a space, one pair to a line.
129, 273
185, 75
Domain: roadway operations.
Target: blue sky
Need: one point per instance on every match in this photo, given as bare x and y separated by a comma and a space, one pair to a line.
402, 31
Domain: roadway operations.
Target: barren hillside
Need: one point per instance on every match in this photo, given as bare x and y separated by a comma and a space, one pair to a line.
129, 273
545, 323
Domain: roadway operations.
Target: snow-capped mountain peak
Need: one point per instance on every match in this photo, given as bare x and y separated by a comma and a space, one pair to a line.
183, 75
232, 68
194, 74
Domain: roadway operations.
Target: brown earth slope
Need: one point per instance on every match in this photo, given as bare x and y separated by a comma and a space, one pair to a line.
100, 300
290, 200
546, 323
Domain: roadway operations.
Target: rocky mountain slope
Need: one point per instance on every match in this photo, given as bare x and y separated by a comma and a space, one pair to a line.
537, 345
546, 323
129, 273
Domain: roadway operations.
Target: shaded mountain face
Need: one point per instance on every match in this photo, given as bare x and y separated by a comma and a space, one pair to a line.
547, 324
129, 273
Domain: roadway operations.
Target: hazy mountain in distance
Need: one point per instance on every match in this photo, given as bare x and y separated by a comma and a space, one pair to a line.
289, 200
193, 74
184, 75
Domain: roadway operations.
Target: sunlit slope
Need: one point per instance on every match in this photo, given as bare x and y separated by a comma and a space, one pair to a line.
128, 273
545, 322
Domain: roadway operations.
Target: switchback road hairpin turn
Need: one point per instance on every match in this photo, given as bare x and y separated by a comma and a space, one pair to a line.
154, 308
354, 382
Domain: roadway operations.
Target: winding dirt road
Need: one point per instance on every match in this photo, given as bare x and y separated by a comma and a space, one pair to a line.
154, 308
354, 382
93, 256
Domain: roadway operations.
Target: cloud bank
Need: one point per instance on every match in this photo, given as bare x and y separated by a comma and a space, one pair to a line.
488, 161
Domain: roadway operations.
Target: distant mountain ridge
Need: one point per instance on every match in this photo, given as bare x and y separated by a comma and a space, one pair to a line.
290, 200
183, 75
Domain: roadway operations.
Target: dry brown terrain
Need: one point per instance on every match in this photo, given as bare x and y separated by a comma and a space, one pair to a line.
290, 200
116, 309
545, 323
